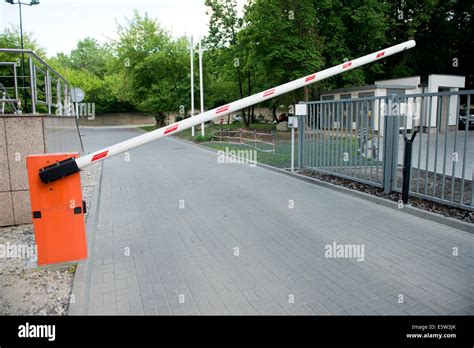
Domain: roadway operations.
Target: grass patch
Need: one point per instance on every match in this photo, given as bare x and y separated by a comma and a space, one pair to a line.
330, 152
281, 158
187, 133
148, 128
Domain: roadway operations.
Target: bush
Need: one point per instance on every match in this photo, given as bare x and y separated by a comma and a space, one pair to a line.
201, 139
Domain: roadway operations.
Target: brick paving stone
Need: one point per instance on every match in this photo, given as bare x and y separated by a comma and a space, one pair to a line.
190, 251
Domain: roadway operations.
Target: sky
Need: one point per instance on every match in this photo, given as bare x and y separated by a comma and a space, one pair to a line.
59, 24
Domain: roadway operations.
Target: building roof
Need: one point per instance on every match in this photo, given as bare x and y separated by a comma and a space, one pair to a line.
367, 87
385, 84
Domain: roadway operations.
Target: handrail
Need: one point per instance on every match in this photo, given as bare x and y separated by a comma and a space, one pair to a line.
42, 94
6, 100
31, 52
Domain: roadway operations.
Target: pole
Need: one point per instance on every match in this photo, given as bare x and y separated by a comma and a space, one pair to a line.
32, 84
292, 149
70, 166
301, 127
407, 167
201, 83
191, 51
23, 59
389, 134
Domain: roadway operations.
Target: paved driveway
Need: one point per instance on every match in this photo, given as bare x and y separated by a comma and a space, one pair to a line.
180, 233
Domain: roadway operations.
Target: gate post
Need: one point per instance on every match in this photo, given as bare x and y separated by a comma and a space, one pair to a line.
388, 145
301, 129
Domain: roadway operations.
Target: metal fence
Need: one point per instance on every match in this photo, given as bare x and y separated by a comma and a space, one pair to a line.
362, 139
33, 88
260, 141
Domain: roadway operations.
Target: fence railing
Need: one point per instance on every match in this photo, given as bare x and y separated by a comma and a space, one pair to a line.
264, 142
32, 85
362, 139
8, 104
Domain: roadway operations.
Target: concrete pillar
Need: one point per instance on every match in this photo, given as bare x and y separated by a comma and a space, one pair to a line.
21, 136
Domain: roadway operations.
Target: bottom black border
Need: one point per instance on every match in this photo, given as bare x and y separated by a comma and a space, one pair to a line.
195, 330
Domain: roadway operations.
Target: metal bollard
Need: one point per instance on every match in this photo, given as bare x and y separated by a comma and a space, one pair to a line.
407, 166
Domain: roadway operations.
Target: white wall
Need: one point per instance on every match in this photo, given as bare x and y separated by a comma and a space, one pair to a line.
435, 82
413, 81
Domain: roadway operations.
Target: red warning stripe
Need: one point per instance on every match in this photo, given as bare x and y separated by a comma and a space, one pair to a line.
171, 129
99, 156
269, 92
310, 78
348, 64
222, 109
380, 54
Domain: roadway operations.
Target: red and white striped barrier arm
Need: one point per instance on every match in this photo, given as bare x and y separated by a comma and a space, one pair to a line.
70, 166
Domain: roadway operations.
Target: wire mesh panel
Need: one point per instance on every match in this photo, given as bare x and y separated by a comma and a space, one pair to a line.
260, 141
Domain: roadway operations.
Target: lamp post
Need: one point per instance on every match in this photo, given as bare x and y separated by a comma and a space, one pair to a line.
32, 3
201, 87
191, 52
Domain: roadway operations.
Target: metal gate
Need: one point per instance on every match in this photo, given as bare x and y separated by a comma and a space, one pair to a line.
362, 139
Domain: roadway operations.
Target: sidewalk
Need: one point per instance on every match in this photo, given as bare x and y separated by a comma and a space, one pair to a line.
179, 233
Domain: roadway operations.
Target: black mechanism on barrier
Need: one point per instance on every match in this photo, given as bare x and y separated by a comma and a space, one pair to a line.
58, 170
407, 166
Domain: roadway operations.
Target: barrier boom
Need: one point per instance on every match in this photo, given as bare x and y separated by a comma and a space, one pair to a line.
70, 166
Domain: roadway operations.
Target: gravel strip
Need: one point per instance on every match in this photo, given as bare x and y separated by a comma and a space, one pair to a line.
457, 213
42, 291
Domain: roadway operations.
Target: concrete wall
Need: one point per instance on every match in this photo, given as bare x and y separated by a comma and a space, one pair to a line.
117, 119
452, 83
21, 136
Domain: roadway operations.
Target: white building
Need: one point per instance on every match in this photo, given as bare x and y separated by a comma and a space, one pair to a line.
411, 108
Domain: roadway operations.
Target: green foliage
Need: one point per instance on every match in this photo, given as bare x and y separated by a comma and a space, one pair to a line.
202, 139
10, 38
91, 56
285, 42
443, 31
230, 53
90, 66
268, 43
145, 69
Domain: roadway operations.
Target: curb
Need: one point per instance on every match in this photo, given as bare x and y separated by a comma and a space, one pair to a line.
427, 215
82, 277
117, 126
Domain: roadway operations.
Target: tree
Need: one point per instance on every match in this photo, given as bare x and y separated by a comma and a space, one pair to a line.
10, 38
349, 29
154, 67
443, 31
226, 47
272, 42
91, 56
285, 43
90, 66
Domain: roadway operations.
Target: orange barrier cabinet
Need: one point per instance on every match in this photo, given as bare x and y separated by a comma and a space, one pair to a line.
58, 212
